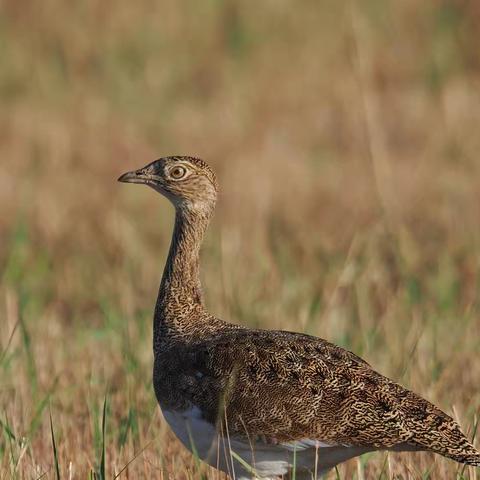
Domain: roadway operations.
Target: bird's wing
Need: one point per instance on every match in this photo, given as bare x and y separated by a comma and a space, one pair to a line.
286, 387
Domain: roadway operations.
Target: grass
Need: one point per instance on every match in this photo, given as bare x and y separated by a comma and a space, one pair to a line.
54, 447
345, 137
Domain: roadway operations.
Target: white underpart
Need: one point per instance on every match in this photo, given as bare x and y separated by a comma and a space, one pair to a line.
263, 461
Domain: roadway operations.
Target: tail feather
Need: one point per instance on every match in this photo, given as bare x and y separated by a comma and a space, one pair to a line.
445, 438
473, 460
468, 456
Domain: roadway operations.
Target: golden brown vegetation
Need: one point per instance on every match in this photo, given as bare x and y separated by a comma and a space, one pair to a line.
346, 141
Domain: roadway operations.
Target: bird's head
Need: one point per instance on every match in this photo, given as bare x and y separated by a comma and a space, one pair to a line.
188, 182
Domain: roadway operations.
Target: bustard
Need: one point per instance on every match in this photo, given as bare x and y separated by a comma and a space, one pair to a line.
254, 402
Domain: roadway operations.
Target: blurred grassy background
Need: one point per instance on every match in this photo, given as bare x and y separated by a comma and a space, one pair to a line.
345, 136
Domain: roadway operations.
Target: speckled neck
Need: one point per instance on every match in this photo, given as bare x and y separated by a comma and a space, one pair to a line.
180, 298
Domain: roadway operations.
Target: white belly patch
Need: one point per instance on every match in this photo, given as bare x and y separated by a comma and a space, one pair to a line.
243, 461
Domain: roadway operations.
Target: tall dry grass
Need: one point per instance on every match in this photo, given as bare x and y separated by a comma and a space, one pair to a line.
345, 136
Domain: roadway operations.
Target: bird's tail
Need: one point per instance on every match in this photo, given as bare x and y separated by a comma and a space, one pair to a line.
445, 438
468, 456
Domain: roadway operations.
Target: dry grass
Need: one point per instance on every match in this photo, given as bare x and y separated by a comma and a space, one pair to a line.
346, 141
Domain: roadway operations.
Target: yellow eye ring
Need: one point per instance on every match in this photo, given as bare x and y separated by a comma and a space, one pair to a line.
178, 172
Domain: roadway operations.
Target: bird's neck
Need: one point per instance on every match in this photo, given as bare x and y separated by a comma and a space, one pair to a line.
180, 298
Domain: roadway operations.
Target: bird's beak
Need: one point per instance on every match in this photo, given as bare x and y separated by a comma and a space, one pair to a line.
137, 176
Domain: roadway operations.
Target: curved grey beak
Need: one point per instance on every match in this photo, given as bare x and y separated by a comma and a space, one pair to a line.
137, 176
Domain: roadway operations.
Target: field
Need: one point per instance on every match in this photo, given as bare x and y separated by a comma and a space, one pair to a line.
346, 140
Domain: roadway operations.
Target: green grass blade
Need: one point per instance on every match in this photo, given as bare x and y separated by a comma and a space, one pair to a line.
243, 463
54, 446
337, 474
102, 461
294, 469
128, 426
9, 342
8, 431
196, 457
31, 365
384, 467
36, 420
11, 439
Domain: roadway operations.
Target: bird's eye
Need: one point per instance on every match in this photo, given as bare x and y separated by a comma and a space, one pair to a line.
178, 172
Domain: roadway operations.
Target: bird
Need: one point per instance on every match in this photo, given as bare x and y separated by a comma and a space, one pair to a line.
259, 403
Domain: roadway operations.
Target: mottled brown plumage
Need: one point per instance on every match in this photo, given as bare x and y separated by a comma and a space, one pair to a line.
270, 387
